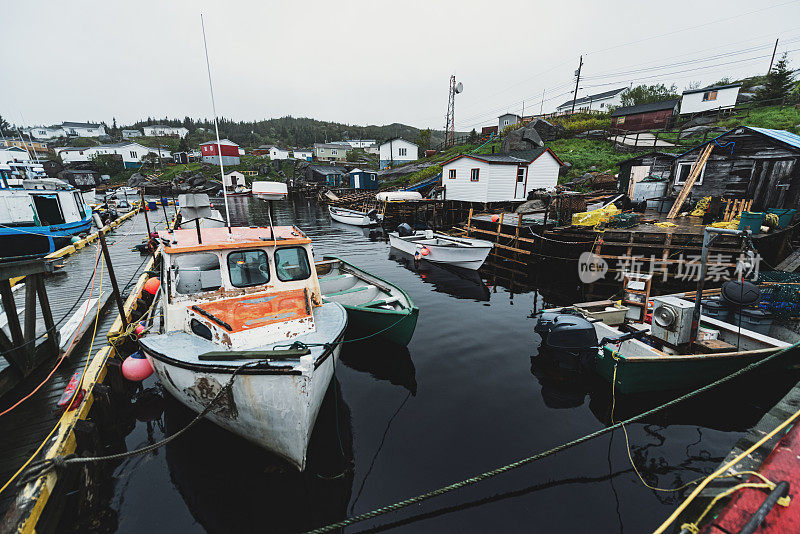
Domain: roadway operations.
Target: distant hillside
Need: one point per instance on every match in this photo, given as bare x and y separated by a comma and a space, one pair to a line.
290, 131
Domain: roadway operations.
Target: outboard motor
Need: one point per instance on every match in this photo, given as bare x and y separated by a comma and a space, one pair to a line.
404, 230
373, 214
568, 339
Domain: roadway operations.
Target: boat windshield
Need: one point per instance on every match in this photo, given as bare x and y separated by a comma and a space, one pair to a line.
291, 263
248, 268
196, 273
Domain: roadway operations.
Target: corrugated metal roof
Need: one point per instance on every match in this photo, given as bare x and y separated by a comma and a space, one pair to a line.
781, 135
711, 88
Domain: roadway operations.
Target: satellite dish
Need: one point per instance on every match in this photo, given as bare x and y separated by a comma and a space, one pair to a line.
459, 87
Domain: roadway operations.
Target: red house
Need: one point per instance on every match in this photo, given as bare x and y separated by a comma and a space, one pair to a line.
644, 116
230, 152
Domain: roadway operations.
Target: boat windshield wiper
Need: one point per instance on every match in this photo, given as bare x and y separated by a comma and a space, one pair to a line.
211, 316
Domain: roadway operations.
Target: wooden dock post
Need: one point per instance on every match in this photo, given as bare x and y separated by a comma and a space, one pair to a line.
21, 351
114, 286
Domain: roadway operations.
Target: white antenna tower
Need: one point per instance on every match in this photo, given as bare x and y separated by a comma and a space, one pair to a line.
216, 127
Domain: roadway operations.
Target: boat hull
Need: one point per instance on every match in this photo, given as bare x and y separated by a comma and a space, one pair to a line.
350, 217
275, 410
397, 327
37, 241
466, 257
636, 375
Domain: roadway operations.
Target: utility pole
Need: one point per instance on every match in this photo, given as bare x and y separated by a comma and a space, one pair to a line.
541, 108
577, 81
523, 110
773, 56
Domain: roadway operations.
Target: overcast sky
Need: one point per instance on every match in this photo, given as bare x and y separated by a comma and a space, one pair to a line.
366, 62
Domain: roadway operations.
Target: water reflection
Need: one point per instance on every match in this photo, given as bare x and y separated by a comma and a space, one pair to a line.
373, 233
383, 360
455, 281
231, 485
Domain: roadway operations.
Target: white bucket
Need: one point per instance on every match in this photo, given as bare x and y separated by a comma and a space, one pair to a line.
705, 333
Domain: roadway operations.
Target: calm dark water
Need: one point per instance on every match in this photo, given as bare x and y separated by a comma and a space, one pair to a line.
465, 396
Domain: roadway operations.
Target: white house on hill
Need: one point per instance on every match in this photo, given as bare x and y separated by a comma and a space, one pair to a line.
499, 177
708, 98
164, 130
278, 153
43, 132
301, 153
596, 102
396, 151
83, 129
131, 154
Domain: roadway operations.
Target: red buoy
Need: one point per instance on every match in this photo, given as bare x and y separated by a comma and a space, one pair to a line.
152, 285
495, 218
425, 251
136, 367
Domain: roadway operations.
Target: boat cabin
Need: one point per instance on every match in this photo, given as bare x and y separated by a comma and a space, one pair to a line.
242, 287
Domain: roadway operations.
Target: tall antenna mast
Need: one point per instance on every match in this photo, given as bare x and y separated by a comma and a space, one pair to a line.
216, 127
450, 128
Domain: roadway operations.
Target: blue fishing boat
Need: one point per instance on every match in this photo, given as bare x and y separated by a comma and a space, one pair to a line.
38, 215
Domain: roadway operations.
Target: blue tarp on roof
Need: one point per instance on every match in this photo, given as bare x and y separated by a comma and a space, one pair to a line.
424, 184
781, 135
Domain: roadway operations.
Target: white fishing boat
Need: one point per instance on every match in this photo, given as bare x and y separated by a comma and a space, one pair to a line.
234, 305
440, 248
356, 218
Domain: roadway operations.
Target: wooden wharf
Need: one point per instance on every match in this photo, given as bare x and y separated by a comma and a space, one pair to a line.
38, 421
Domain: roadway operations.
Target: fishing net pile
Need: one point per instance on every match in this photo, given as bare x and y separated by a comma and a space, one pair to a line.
780, 294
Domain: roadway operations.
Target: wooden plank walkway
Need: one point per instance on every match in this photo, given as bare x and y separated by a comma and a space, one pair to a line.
791, 263
24, 428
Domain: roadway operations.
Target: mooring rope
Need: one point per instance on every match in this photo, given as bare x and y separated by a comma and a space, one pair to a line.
524, 461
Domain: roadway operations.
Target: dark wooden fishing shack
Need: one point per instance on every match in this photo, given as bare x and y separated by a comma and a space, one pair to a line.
757, 164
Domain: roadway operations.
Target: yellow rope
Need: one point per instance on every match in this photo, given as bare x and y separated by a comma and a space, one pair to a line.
66, 410
722, 469
767, 484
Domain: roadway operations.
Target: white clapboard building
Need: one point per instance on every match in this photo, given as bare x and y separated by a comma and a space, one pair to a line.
500, 177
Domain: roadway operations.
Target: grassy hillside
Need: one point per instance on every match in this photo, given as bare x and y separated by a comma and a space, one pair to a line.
779, 118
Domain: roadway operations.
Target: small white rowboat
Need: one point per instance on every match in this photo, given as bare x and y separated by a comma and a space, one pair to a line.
356, 218
440, 248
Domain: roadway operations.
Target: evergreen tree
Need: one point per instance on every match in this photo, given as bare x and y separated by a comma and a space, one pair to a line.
778, 83
473, 136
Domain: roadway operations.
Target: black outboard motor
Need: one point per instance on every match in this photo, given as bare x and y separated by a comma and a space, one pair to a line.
373, 214
568, 339
404, 230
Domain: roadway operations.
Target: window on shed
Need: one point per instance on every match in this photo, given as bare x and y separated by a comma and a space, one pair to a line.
474, 175
452, 173
505, 122
403, 151
520, 174
682, 173
133, 154
620, 120
291, 263
334, 152
709, 95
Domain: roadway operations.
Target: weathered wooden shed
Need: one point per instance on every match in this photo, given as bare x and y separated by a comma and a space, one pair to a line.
747, 162
330, 175
652, 164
